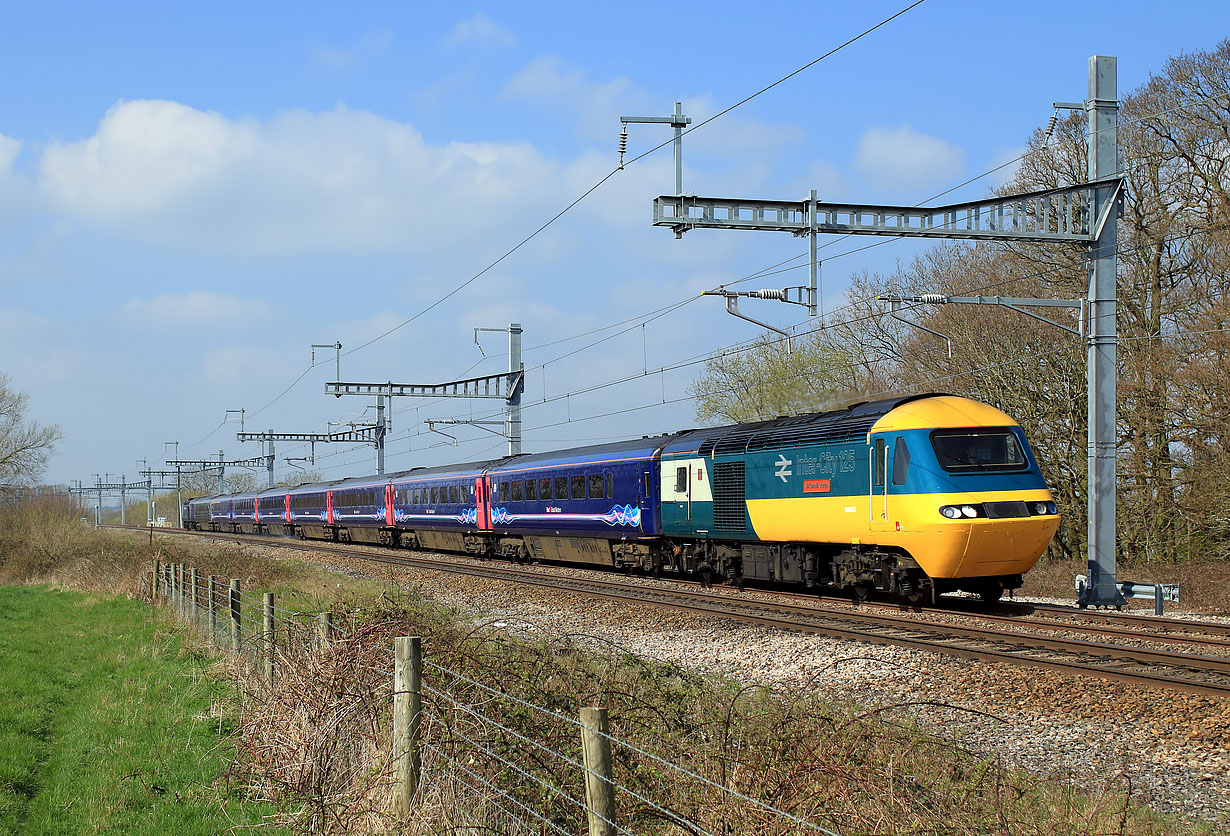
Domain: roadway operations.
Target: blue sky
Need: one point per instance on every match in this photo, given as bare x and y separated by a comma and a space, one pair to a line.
191, 196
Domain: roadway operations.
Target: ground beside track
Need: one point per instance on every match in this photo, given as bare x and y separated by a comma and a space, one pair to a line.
1173, 749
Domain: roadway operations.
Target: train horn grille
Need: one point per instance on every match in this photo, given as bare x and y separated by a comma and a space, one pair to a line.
1005, 510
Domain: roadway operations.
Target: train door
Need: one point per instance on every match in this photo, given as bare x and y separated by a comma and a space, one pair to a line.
878, 498
286, 510
329, 507
482, 500
388, 504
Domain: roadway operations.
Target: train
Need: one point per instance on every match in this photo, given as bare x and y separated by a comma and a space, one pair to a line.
913, 496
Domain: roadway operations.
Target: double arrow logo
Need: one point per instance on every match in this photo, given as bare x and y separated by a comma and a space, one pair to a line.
783, 467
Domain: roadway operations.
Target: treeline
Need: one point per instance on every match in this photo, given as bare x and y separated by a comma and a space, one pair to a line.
1173, 321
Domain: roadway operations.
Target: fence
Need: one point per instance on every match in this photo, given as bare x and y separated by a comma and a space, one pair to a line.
454, 747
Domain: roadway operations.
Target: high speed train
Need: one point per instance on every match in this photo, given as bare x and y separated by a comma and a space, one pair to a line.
914, 496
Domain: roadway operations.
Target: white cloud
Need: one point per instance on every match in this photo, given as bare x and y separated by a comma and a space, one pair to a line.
340, 58
342, 180
902, 160
480, 30
198, 309
596, 106
9, 149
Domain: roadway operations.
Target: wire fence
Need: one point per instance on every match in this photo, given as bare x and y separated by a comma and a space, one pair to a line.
456, 749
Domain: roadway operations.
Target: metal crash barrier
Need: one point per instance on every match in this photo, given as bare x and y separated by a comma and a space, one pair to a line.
1159, 592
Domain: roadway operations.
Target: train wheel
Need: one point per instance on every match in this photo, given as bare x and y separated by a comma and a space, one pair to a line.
916, 597
991, 594
863, 591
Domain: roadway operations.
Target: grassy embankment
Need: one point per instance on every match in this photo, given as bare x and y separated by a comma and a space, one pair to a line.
318, 741
108, 723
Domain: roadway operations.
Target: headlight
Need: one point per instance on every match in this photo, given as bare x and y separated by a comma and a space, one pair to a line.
969, 511
1052, 508
952, 512
1040, 508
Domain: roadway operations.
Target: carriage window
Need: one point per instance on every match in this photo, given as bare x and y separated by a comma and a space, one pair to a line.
596, 486
578, 487
435, 495
901, 461
531, 490
681, 480
516, 490
503, 492
610, 486
561, 487
877, 464
454, 495
967, 451
544, 488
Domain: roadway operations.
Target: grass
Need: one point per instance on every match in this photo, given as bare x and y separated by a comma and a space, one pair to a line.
109, 723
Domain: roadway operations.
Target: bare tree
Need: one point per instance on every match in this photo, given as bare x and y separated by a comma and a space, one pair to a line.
25, 447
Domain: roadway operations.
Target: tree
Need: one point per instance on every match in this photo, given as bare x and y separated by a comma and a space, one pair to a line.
25, 447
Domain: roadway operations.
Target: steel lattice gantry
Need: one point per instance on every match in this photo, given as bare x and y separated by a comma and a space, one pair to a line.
506, 386
373, 434
1084, 214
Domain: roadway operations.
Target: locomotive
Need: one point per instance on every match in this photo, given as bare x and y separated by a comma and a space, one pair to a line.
914, 496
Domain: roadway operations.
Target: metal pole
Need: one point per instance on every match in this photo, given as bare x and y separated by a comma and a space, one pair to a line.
678, 124
516, 367
1102, 108
221, 471
380, 434
271, 458
813, 269
123, 501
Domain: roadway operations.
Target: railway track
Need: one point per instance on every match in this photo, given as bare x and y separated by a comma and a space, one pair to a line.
1033, 638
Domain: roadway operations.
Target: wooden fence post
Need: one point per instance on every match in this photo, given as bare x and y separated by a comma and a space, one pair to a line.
236, 628
153, 590
269, 638
326, 630
192, 616
212, 600
407, 719
177, 584
599, 781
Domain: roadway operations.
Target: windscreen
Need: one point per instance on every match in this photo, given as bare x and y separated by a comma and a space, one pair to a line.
968, 451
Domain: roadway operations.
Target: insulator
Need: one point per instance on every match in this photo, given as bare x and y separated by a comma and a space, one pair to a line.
934, 298
779, 295
623, 141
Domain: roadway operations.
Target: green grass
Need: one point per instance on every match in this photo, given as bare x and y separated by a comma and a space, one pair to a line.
109, 723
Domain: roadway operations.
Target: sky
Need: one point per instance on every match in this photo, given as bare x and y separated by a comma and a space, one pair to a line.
192, 195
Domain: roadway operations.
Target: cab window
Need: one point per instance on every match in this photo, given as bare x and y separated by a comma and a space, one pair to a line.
969, 451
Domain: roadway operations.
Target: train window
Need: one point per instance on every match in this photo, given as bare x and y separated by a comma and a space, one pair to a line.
561, 487
515, 490
877, 464
967, 451
453, 495
531, 490
596, 486
504, 492
901, 461
610, 486
578, 487
544, 488
435, 496
681, 479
